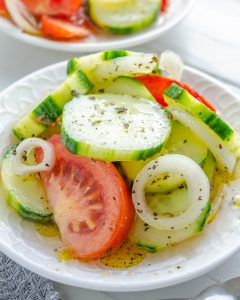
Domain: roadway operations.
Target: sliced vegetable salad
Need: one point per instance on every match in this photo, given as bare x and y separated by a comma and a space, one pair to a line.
78, 19
117, 153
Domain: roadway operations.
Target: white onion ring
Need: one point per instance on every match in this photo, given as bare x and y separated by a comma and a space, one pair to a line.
13, 7
224, 157
27, 15
26, 146
197, 184
172, 64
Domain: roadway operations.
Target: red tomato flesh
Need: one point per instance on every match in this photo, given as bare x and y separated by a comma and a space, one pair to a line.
53, 7
3, 9
157, 84
164, 6
61, 29
91, 202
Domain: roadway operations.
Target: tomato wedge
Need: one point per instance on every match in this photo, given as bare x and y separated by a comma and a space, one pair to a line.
53, 7
157, 84
3, 9
164, 6
91, 202
61, 29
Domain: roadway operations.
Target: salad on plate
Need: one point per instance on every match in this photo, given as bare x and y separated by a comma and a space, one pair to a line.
121, 159
78, 19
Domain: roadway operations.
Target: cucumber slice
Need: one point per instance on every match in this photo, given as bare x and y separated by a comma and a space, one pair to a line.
47, 112
25, 194
209, 167
183, 141
111, 3
225, 158
114, 127
172, 203
153, 240
89, 62
176, 94
131, 65
125, 18
123, 85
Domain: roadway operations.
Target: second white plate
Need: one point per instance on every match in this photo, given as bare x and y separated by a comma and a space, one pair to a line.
177, 11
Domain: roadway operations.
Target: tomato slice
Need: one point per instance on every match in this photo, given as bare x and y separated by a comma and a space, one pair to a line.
61, 29
91, 202
3, 9
164, 6
157, 84
53, 7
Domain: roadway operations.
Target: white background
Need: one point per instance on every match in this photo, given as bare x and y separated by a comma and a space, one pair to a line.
209, 39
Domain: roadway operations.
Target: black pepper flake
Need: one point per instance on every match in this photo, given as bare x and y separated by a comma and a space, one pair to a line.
146, 228
172, 227
140, 211
109, 251
155, 214
166, 177
75, 93
47, 165
184, 142
24, 157
101, 91
200, 198
96, 122
154, 167
121, 110
154, 59
178, 267
220, 146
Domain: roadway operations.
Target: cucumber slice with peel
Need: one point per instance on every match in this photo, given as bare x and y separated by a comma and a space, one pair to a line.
154, 240
114, 127
123, 85
25, 194
48, 111
176, 94
225, 158
209, 167
88, 62
124, 18
181, 141
131, 65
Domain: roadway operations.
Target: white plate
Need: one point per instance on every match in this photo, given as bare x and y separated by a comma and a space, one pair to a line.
177, 11
20, 241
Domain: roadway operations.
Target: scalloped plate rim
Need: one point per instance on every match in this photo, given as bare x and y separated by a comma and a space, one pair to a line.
117, 286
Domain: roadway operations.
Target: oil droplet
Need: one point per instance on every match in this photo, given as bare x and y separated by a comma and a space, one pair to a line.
66, 254
127, 255
48, 230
